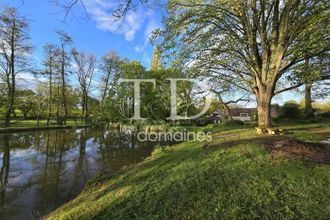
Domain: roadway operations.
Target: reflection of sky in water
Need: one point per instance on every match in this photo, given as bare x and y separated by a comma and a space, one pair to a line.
43, 176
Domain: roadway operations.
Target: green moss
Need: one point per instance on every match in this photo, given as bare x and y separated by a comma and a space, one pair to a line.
230, 178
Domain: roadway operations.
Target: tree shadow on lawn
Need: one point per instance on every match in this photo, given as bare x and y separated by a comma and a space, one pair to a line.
279, 146
183, 182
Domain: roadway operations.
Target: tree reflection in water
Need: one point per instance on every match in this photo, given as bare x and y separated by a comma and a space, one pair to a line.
4, 169
42, 170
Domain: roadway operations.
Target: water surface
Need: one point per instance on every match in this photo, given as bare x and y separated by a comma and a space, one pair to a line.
42, 170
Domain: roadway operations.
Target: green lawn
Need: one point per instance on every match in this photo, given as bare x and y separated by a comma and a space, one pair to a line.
235, 176
33, 123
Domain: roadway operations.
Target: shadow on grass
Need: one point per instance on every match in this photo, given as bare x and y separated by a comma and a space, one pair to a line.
233, 179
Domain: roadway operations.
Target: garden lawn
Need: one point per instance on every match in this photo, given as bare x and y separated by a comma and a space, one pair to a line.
236, 176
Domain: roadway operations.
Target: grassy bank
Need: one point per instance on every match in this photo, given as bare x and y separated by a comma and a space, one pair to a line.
237, 175
31, 125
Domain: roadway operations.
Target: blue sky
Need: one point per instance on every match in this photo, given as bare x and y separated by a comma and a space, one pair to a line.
97, 33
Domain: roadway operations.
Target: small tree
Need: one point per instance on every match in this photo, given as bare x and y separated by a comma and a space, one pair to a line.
25, 101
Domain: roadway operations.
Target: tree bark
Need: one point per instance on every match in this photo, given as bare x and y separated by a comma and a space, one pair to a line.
263, 109
308, 100
84, 113
11, 83
104, 94
50, 95
38, 116
64, 88
86, 107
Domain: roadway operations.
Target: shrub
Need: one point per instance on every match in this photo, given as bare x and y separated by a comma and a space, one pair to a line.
233, 123
290, 110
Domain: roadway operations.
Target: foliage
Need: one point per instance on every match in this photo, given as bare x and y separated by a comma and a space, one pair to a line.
249, 44
290, 110
155, 99
14, 53
26, 102
233, 123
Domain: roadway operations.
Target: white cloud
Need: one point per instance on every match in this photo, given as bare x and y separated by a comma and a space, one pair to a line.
29, 81
151, 26
101, 12
139, 49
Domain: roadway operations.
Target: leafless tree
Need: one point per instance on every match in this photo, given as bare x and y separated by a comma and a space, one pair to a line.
119, 11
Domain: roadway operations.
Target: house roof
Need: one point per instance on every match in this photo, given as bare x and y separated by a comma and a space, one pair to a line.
250, 111
238, 111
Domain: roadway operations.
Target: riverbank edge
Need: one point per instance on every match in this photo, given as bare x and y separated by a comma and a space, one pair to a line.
42, 128
111, 180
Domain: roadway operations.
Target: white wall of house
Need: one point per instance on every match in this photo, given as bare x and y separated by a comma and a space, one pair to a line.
242, 117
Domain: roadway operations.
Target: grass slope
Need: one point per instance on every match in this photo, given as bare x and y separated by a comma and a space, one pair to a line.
232, 177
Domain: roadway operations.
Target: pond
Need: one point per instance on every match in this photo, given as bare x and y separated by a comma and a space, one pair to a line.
42, 170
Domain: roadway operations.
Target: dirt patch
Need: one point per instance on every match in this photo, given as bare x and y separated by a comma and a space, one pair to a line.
279, 146
314, 152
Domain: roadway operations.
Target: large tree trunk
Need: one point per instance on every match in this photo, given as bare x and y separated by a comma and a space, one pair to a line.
308, 100
263, 108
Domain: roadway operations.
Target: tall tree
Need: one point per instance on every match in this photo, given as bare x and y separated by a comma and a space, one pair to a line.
312, 72
64, 62
14, 53
50, 65
85, 70
110, 66
251, 44
156, 61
